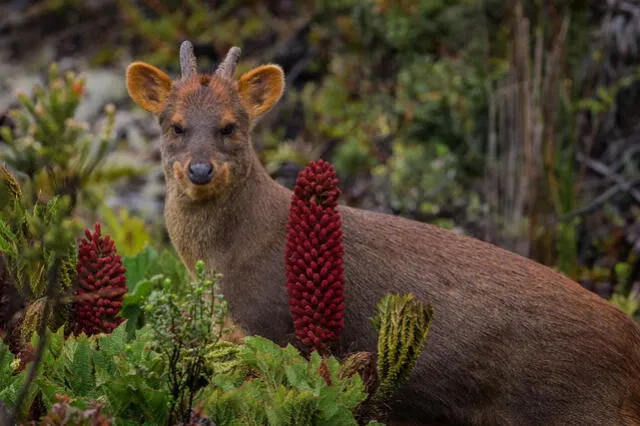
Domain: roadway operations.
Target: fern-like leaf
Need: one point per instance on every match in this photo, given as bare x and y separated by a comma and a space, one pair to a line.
10, 382
403, 326
80, 368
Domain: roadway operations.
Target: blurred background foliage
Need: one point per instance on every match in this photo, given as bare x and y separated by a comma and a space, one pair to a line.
517, 122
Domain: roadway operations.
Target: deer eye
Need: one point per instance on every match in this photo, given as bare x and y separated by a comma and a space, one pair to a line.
227, 130
177, 129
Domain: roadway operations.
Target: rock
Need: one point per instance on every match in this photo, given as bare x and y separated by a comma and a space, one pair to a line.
11, 81
102, 87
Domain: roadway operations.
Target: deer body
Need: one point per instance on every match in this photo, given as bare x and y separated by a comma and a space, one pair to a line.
512, 342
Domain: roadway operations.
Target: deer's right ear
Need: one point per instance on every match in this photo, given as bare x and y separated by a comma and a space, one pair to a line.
148, 86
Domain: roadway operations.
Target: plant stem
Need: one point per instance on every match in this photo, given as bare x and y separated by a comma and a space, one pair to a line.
53, 275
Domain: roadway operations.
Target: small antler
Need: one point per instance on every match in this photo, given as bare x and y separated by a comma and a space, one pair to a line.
188, 62
228, 66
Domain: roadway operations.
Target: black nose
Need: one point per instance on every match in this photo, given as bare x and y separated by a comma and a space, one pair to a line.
200, 173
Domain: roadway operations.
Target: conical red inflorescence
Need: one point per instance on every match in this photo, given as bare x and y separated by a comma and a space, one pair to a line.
101, 285
313, 257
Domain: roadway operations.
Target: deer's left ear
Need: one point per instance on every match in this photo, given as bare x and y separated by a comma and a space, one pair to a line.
260, 89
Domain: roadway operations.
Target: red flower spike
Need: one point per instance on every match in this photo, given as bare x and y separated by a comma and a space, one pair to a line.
101, 285
313, 258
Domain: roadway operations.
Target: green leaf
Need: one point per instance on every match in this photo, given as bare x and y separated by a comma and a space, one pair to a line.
105, 368
133, 314
138, 266
10, 383
142, 290
80, 368
285, 389
296, 376
169, 265
113, 344
8, 239
49, 390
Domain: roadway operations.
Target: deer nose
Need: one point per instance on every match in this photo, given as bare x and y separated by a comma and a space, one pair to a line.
200, 173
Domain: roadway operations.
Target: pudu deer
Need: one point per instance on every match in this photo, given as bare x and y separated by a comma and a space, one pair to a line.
512, 342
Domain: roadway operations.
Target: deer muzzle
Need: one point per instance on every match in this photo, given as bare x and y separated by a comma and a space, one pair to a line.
200, 173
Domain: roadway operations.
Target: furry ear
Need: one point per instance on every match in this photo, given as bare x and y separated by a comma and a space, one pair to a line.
260, 89
148, 86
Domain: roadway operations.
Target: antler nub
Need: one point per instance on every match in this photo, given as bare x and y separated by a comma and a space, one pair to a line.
188, 62
228, 66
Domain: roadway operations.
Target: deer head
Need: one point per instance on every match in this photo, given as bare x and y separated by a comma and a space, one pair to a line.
206, 120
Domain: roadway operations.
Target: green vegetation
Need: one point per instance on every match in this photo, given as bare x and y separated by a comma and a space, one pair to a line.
173, 365
287, 389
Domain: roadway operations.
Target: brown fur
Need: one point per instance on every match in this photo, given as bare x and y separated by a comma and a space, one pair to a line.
512, 342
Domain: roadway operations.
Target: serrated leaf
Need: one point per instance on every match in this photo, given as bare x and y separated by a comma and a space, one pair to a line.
8, 238
49, 390
327, 401
81, 367
118, 394
223, 406
105, 367
295, 377
114, 343
354, 394
10, 382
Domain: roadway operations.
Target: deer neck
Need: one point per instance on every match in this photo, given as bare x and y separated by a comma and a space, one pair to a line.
222, 231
